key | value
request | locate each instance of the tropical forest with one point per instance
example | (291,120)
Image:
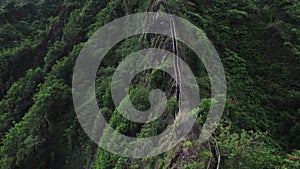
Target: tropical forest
(258,46)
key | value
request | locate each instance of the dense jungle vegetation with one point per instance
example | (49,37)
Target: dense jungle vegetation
(259,45)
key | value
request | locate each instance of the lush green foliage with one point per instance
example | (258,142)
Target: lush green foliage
(259,45)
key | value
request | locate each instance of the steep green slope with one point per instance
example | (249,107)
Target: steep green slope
(258,42)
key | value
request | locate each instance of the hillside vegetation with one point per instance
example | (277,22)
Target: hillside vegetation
(259,45)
